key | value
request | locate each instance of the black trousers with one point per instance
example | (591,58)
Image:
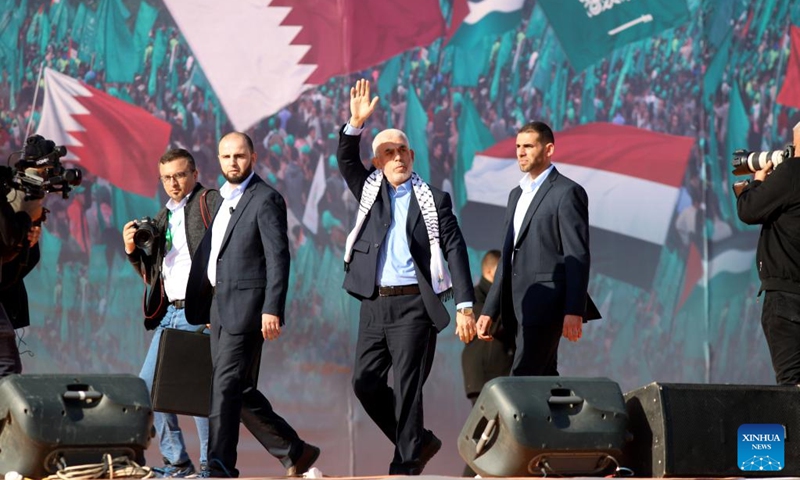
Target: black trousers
(395,332)
(10,361)
(780,319)
(235,397)
(537,350)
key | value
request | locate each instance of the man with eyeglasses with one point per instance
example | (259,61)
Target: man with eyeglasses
(181,225)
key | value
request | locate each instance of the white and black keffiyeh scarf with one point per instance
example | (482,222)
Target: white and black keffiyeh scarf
(440,277)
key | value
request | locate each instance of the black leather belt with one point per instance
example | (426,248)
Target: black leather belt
(178,304)
(401,290)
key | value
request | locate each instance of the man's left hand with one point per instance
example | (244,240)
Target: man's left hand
(465,327)
(34,234)
(573,327)
(270,326)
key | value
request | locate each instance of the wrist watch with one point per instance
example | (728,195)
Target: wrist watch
(465,310)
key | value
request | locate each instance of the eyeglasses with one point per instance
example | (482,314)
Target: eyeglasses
(180,176)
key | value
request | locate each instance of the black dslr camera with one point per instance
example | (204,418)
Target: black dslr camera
(745,163)
(145,236)
(38,171)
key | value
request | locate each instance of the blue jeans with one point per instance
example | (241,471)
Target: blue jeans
(170,437)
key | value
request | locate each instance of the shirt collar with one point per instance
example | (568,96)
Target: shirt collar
(528,184)
(401,189)
(174,206)
(230,191)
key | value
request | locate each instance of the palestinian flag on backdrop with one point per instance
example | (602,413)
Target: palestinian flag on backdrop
(633,179)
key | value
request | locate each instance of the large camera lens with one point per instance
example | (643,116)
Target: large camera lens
(145,236)
(745,162)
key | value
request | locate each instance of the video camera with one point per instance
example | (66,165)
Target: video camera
(745,163)
(38,171)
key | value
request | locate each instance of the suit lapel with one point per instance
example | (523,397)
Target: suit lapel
(414,214)
(537,200)
(247,195)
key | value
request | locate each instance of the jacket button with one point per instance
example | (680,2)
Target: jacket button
(377,245)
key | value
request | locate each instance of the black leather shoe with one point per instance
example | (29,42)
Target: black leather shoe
(307,457)
(430,448)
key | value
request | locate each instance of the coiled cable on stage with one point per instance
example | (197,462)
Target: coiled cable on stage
(118,467)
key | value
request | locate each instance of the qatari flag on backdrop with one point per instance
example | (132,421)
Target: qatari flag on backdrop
(105,135)
(264,57)
(632,177)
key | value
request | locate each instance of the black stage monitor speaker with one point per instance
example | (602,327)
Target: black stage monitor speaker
(692,430)
(532,426)
(49,421)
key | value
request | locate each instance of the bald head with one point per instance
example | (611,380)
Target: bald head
(241,136)
(393,156)
(389,133)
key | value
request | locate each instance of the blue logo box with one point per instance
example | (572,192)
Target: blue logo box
(761,447)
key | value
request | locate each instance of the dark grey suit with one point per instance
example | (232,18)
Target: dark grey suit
(544,273)
(252,278)
(399,331)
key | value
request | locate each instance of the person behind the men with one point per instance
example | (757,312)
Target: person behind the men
(180,224)
(238,284)
(19,253)
(772,200)
(482,361)
(395,262)
(540,287)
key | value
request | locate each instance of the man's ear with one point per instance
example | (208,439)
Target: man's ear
(376,162)
(549,149)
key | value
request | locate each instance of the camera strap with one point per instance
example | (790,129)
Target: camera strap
(204,210)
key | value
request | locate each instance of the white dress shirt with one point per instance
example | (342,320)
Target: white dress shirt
(178,260)
(231,194)
(529,188)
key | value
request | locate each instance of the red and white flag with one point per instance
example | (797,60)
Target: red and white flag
(632,177)
(790,90)
(103,134)
(260,56)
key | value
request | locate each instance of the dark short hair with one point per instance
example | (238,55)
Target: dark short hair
(176,153)
(246,137)
(544,131)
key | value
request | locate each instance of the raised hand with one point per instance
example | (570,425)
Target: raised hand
(361,107)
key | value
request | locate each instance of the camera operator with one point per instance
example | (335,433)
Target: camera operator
(161,250)
(19,253)
(772,200)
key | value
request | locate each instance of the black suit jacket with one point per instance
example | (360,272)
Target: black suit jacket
(252,267)
(544,274)
(13,295)
(361,273)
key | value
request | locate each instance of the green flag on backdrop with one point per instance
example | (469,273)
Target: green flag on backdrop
(605,26)
(145,19)
(416,130)
(114,42)
(474,137)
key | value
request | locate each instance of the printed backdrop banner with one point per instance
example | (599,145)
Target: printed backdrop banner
(608,24)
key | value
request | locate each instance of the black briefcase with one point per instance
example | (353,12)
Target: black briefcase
(182,380)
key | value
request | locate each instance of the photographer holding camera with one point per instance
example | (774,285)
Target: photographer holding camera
(36,172)
(19,253)
(772,200)
(161,250)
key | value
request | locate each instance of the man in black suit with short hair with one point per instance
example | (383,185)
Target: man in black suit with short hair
(540,286)
(238,284)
